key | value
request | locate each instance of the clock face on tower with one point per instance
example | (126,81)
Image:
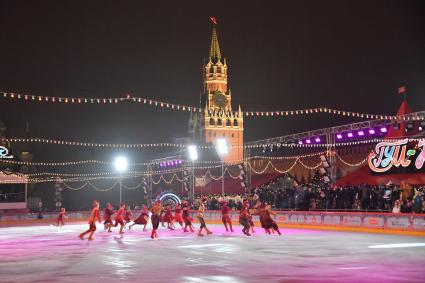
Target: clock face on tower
(219,99)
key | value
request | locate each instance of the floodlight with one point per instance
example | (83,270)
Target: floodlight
(193,152)
(121,164)
(222,146)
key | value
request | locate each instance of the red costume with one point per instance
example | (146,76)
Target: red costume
(225,216)
(119,218)
(168,216)
(127,216)
(60,220)
(178,215)
(142,219)
(92,221)
(187,219)
(107,215)
(244,218)
(268,221)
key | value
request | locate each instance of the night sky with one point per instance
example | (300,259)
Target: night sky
(282,55)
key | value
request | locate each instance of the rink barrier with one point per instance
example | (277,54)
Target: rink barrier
(308,219)
(365,220)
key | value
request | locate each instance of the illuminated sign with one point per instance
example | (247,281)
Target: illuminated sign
(4,153)
(387,155)
(169,196)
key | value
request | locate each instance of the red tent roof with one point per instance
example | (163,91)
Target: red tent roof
(401,130)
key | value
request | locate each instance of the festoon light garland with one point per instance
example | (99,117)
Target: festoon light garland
(172,106)
(53,177)
(100,100)
(175,145)
(102,162)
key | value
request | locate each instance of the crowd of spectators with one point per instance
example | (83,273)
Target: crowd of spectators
(304,197)
(12,197)
(351,198)
(214,201)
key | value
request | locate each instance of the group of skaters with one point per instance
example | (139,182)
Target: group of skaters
(160,213)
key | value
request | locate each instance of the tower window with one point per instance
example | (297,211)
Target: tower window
(228,124)
(219,122)
(233,135)
(211,121)
(235,123)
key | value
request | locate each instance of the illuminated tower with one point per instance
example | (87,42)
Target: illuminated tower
(219,121)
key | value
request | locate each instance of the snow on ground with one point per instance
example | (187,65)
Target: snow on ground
(42,254)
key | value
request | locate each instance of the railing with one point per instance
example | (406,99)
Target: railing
(309,219)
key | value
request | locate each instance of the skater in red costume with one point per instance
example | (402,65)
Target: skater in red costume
(155,218)
(107,216)
(178,215)
(225,216)
(142,219)
(119,218)
(244,218)
(94,215)
(269,223)
(186,217)
(127,215)
(251,222)
(168,217)
(201,219)
(161,216)
(60,221)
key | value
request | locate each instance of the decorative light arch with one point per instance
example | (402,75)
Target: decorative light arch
(171,196)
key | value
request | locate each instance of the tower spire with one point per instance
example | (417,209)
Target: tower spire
(215,54)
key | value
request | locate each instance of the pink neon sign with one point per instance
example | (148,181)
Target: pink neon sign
(390,154)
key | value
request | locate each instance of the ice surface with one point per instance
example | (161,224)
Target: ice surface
(41,254)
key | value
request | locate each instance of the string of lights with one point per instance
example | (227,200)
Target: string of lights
(288,157)
(165,180)
(103,190)
(54,177)
(156,145)
(310,167)
(75,188)
(89,183)
(329,111)
(101,162)
(134,187)
(178,107)
(100,100)
(131,173)
(234,177)
(67,163)
(72,179)
(270,164)
(55,174)
(361,162)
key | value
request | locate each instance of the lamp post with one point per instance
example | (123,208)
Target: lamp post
(222,150)
(193,155)
(121,165)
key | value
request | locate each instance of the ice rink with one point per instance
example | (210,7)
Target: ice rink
(41,254)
